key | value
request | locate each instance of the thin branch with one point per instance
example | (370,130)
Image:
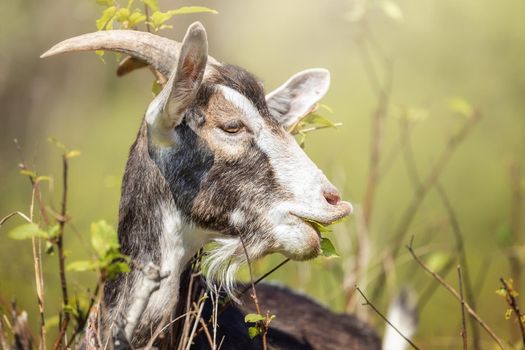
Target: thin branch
(368,303)
(426,185)
(460,248)
(511,300)
(455,294)
(254,296)
(247,288)
(515,220)
(410,163)
(61,255)
(463,323)
(197,317)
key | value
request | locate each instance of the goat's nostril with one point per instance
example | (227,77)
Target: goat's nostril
(332,197)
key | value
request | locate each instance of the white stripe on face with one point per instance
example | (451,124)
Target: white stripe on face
(294,171)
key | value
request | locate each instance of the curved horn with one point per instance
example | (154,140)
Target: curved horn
(159,52)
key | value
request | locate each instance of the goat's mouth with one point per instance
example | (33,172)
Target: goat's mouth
(316,219)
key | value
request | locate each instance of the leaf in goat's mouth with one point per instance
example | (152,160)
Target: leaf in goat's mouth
(323,228)
(327,247)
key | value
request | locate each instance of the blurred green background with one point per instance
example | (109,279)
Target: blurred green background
(438,49)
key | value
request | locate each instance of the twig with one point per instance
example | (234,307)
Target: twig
(463,323)
(426,185)
(247,288)
(410,163)
(61,256)
(368,303)
(207,333)
(511,300)
(383,91)
(194,328)
(460,248)
(254,296)
(515,220)
(455,294)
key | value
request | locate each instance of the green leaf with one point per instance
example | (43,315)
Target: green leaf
(317,225)
(317,119)
(136,18)
(50,248)
(328,249)
(71,310)
(158,18)
(57,143)
(53,231)
(254,318)
(29,173)
(327,107)
(253,332)
(72,154)
(152,4)
(122,15)
(106,20)
(82,265)
(27,231)
(103,238)
(437,261)
(156,88)
(117,268)
(461,106)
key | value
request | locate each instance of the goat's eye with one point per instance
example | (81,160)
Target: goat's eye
(232,127)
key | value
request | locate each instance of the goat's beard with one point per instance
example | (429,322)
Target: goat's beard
(222,261)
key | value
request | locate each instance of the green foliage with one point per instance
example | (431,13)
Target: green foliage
(158,19)
(437,260)
(253,318)
(117,16)
(109,261)
(312,121)
(27,231)
(261,324)
(254,331)
(328,249)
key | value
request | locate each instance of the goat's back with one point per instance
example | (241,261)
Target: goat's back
(300,323)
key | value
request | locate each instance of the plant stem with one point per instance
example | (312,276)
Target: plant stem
(455,294)
(368,303)
(61,256)
(511,300)
(463,323)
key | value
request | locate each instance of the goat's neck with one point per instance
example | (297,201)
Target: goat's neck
(151,229)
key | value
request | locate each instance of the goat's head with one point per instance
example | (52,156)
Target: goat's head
(224,147)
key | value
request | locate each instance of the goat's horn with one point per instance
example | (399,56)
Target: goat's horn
(159,52)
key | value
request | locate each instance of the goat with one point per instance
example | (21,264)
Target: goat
(214,161)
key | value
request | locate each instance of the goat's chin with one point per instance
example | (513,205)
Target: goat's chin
(300,242)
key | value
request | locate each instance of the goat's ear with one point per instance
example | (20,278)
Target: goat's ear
(166,110)
(298,96)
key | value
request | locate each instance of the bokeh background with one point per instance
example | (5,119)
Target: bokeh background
(436,50)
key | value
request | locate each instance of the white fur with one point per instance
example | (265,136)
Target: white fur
(237,218)
(179,243)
